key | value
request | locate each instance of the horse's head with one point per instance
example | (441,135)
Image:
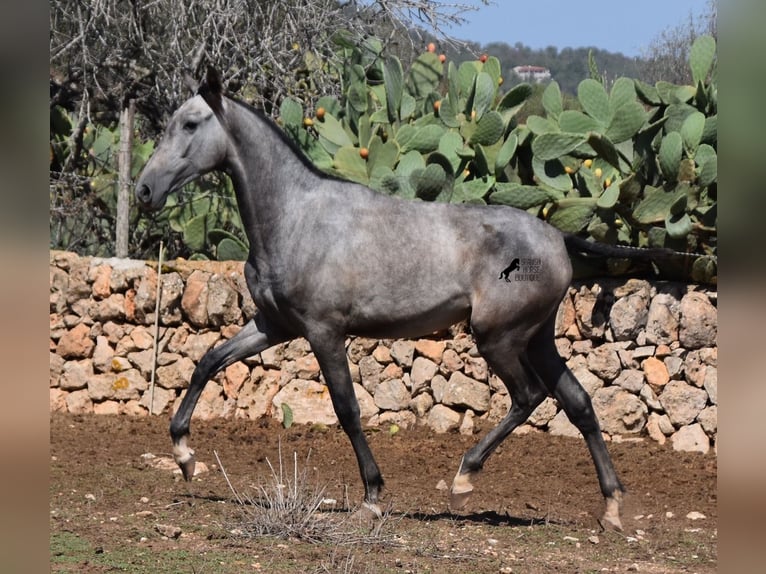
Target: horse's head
(194,143)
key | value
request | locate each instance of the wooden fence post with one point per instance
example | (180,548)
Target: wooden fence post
(125,161)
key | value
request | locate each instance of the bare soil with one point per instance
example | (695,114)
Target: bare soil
(535,508)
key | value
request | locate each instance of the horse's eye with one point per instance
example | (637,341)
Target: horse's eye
(190,126)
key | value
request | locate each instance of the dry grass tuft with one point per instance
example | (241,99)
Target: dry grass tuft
(292,506)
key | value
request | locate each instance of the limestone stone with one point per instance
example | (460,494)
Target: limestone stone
(451,362)
(438,387)
(467,424)
(631,380)
(161,400)
(128,384)
(171,292)
(565,316)
(430,349)
(106,408)
(629,314)
(211,403)
(101,276)
(394,371)
(682,402)
(560,425)
(382,354)
(76,343)
(79,403)
(102,355)
(222,301)
(402,419)
(307,367)
(649,397)
(564,348)
(421,404)
(235,376)
(197,344)
(110,309)
(442,419)
(75,375)
(476,368)
(273,356)
(653,428)
(423,370)
(56,368)
(391,395)
(143,361)
(662,319)
(257,393)
(463,391)
(176,375)
(57,402)
(499,405)
(589,317)
(371,371)
(194,299)
(708,420)
(143,337)
(544,412)
(656,373)
(691,439)
(146,296)
(403,352)
(619,411)
(360,347)
(367,406)
(309,402)
(604,362)
(699,320)
(711,384)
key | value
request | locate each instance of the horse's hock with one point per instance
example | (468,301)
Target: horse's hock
(645,352)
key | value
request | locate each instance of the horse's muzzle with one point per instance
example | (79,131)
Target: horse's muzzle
(144,197)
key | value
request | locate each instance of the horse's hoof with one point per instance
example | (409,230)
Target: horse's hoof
(461,491)
(611,523)
(187,468)
(373,508)
(611,518)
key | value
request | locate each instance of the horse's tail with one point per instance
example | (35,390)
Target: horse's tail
(580,246)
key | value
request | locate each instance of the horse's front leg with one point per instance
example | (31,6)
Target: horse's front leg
(256,336)
(331,355)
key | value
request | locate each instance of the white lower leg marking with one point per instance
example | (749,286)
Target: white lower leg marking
(181,452)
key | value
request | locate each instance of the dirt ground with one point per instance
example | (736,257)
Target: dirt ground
(534,509)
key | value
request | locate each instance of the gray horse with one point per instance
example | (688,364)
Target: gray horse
(329,258)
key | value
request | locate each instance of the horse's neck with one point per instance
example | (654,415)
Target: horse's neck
(269,177)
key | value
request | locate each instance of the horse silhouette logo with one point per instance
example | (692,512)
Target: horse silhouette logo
(508,270)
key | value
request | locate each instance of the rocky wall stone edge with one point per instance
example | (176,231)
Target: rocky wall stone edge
(646,352)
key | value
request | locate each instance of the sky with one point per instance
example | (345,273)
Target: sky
(613,25)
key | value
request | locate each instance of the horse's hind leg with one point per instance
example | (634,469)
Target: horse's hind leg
(527,392)
(254,337)
(575,401)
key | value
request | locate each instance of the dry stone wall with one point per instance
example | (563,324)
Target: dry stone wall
(645,352)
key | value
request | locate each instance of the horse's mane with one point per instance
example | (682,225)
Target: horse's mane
(286,139)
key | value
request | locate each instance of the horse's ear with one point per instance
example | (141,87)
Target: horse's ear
(211,89)
(190,83)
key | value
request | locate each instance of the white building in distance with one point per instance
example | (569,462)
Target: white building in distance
(532,73)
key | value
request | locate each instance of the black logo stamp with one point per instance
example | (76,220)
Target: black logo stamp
(523,269)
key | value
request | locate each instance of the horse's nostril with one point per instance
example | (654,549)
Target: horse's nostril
(143,193)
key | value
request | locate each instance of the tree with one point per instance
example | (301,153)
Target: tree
(667,56)
(104,53)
